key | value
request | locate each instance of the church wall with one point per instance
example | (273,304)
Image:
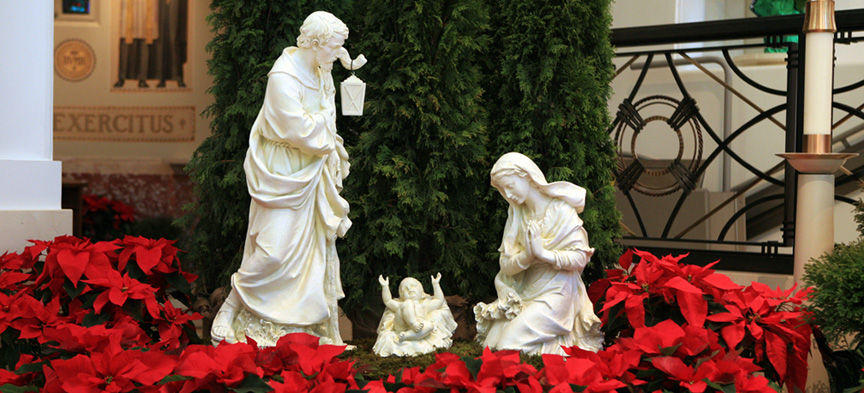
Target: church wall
(130,143)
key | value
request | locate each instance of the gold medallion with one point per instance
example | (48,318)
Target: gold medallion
(74,60)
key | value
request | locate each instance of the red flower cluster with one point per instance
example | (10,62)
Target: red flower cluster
(104,218)
(675,314)
(97,317)
(70,306)
(491,372)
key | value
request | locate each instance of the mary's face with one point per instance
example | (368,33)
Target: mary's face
(514,188)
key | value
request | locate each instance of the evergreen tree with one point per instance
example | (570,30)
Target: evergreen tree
(547,98)
(249,37)
(420,168)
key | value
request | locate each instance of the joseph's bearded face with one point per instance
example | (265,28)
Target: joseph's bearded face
(328,51)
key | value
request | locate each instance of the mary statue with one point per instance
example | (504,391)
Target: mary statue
(542,303)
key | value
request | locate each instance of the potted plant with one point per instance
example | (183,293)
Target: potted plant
(837,307)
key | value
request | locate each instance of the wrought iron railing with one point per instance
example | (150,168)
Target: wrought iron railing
(769,194)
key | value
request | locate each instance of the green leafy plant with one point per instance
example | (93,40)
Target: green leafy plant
(420,167)
(837,305)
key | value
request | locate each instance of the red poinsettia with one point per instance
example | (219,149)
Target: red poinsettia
(76,258)
(74,338)
(119,288)
(119,211)
(758,312)
(656,277)
(764,323)
(33,316)
(616,362)
(215,367)
(18,379)
(560,373)
(150,254)
(170,325)
(114,370)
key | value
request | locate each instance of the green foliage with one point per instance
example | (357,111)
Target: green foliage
(859,217)
(377,367)
(249,37)
(838,300)
(549,101)
(420,165)
(837,304)
(374,367)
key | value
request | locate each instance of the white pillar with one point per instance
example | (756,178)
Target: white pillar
(30,180)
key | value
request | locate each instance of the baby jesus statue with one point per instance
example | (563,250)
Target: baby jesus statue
(415,323)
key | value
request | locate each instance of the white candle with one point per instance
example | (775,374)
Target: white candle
(818,82)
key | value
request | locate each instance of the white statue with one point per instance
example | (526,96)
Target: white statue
(415,323)
(542,303)
(289,277)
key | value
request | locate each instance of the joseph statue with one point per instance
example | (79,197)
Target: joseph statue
(289,280)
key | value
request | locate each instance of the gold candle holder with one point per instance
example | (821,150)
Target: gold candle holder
(819,16)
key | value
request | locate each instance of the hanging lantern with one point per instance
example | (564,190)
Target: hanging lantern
(353,94)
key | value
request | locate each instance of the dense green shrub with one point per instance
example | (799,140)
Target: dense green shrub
(837,304)
(420,166)
(838,301)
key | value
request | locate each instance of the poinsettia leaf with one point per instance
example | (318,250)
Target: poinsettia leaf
(73,264)
(393,387)
(473,365)
(174,378)
(72,290)
(133,308)
(98,302)
(721,281)
(252,384)
(10,388)
(148,258)
(714,385)
(135,272)
(152,306)
(577,388)
(730,388)
(94,319)
(669,351)
(673,366)
(561,388)
(29,368)
(776,349)
(646,256)
(733,334)
(179,282)
(683,286)
(635,310)
(117,296)
(626,259)
(694,308)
